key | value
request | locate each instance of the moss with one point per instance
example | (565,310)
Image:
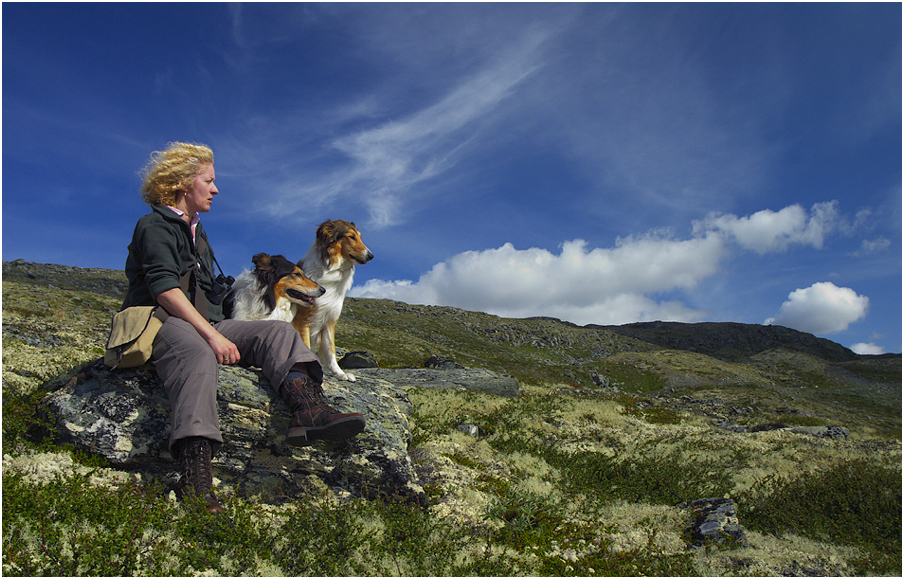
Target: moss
(465,461)
(642,408)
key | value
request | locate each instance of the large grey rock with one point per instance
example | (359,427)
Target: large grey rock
(124,415)
(459,379)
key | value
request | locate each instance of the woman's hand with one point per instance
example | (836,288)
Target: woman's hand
(225,351)
(175,302)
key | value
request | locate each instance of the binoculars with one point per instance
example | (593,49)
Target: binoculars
(220,289)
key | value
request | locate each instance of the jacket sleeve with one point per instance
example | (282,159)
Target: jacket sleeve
(160,261)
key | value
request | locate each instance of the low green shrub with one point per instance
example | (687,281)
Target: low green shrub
(413,543)
(667,480)
(66,527)
(856,503)
(24,418)
(634,563)
(653,414)
(320,540)
(61,529)
(527,518)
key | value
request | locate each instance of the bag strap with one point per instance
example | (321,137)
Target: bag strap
(161,314)
(202,245)
(189,280)
(200,299)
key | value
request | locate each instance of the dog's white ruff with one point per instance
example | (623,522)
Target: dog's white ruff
(336,280)
(250,304)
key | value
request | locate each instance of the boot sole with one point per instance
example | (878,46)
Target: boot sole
(336,431)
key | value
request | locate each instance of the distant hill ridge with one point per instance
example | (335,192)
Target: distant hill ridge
(724,340)
(731,340)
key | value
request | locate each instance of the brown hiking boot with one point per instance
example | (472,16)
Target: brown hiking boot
(197,472)
(312,418)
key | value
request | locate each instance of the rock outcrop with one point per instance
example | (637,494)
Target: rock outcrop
(124,416)
(715,520)
(455,378)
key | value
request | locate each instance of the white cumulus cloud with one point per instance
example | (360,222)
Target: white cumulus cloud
(822,308)
(867,348)
(770,231)
(582,285)
(627,282)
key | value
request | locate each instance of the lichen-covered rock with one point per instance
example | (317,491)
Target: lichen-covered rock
(442,363)
(823,431)
(124,415)
(455,378)
(715,520)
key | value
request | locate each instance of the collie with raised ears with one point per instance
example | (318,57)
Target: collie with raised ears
(275,290)
(330,262)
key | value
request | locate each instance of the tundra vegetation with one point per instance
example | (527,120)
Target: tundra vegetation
(583,473)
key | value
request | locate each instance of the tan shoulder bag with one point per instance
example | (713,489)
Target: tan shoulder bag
(132,334)
(132,331)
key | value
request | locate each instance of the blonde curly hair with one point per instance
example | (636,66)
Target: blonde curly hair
(173,170)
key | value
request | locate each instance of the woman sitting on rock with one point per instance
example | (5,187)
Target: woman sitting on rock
(170,264)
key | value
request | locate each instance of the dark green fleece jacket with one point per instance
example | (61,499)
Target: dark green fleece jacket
(162,252)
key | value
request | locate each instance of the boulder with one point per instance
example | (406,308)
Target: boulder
(124,416)
(358,359)
(456,378)
(442,363)
(715,520)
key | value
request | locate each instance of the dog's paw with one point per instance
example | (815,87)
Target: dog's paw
(341,374)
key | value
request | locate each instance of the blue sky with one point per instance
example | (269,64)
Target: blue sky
(599,163)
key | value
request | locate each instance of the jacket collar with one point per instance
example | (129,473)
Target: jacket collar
(171,215)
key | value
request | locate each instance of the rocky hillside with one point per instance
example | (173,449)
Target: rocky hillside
(595,467)
(783,372)
(732,341)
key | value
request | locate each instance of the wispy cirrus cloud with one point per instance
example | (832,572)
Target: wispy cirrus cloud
(383,165)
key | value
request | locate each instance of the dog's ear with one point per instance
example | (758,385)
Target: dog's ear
(266,277)
(261,261)
(282,266)
(328,233)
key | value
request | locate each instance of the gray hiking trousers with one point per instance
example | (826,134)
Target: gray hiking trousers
(189,370)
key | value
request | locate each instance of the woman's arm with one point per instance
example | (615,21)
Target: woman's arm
(176,304)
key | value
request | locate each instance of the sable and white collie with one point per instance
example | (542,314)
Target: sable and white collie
(275,290)
(331,263)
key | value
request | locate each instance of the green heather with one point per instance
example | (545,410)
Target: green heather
(581,474)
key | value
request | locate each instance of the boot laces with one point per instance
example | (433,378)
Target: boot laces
(196,463)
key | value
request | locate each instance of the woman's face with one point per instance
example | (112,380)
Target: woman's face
(199,197)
